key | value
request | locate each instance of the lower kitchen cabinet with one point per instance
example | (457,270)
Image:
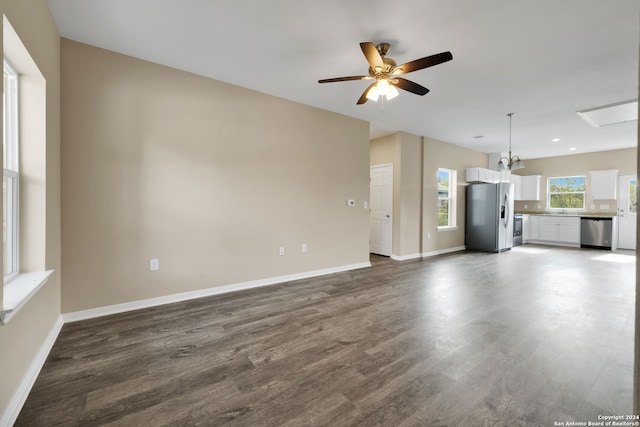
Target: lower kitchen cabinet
(559,230)
(533,230)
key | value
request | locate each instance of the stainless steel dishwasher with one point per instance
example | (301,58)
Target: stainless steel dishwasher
(596,232)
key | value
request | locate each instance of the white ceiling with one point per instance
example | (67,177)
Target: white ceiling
(543,60)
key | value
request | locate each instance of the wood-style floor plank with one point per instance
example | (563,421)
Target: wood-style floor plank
(527,337)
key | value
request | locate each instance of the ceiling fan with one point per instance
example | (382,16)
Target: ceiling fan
(384,70)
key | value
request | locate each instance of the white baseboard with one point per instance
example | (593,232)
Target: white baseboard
(405,257)
(28,380)
(427,254)
(443,251)
(184,296)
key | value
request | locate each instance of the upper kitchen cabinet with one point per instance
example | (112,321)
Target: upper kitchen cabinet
(531,187)
(482,175)
(516,180)
(526,187)
(603,184)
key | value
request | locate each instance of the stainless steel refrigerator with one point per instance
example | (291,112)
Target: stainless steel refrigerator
(489,219)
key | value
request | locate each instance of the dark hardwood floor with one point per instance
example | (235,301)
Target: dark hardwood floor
(532,336)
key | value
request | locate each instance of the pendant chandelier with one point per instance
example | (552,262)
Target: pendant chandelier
(511,162)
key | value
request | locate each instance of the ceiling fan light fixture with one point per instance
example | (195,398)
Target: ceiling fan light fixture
(373,93)
(383,86)
(392,92)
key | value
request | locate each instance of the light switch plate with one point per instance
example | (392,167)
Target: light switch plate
(154,264)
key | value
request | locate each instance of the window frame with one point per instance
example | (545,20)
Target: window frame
(633,195)
(451,199)
(551,193)
(11,171)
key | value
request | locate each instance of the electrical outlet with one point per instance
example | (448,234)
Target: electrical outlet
(429,236)
(281,250)
(305,249)
(366,205)
(154,264)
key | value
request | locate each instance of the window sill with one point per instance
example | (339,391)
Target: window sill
(449,228)
(19,290)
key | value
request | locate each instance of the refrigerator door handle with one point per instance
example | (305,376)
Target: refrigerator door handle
(506,206)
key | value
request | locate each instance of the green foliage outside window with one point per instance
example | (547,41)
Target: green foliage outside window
(567,192)
(443,213)
(443,198)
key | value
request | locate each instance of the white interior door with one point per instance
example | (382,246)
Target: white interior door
(380,218)
(627,212)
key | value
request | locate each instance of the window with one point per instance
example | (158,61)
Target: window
(24,146)
(633,197)
(10,182)
(447,198)
(566,192)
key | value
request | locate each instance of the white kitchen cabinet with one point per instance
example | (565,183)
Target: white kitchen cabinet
(534,228)
(525,228)
(516,180)
(530,187)
(526,187)
(603,184)
(569,232)
(557,230)
(482,175)
(548,231)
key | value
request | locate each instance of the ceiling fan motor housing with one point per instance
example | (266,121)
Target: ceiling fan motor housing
(389,63)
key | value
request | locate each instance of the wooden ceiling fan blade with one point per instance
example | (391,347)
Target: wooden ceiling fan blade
(363,97)
(419,64)
(371,53)
(410,86)
(344,79)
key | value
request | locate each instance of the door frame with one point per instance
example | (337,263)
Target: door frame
(620,231)
(390,167)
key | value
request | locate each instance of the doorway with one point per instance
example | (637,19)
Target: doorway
(627,212)
(380,216)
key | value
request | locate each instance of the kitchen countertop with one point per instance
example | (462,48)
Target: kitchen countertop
(579,215)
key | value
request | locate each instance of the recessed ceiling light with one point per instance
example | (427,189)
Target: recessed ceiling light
(572,149)
(555,140)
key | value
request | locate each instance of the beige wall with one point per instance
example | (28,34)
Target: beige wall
(578,164)
(438,154)
(209,178)
(416,161)
(23,337)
